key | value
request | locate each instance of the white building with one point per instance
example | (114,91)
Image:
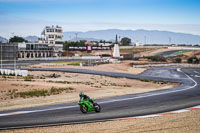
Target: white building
(139,43)
(53,36)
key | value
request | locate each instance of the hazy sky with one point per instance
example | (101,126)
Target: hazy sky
(29,17)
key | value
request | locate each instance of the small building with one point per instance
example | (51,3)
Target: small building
(8,52)
(35,50)
(52,35)
(138,43)
(105,44)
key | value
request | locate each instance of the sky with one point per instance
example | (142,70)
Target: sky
(29,17)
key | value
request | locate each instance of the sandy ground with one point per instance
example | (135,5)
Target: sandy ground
(188,122)
(95,86)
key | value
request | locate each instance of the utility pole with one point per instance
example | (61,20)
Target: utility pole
(119,40)
(70,38)
(1,56)
(12,33)
(170,40)
(14,46)
(76,37)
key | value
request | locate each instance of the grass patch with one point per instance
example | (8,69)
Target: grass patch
(77,63)
(40,92)
(32,93)
(73,82)
(114,84)
(144,80)
(73,63)
(28,78)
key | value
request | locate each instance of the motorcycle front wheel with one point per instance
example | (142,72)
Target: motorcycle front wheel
(97,107)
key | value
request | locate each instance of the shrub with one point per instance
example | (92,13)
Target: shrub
(32,93)
(144,80)
(178,60)
(157,58)
(28,78)
(193,60)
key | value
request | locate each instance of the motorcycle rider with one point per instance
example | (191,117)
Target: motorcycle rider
(85,97)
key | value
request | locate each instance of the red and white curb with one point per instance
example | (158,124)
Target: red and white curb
(161,114)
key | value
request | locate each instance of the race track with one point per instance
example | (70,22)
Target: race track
(187,94)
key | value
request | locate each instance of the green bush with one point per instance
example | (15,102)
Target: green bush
(32,93)
(178,60)
(28,78)
(193,60)
(40,92)
(157,58)
(144,80)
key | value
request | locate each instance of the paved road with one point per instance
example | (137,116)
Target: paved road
(33,62)
(183,96)
(171,53)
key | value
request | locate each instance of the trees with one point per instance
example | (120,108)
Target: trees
(17,39)
(193,60)
(178,60)
(126,41)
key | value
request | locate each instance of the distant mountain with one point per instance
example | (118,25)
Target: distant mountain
(3,40)
(148,36)
(31,38)
(88,39)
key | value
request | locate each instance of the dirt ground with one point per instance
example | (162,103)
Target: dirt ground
(93,85)
(188,122)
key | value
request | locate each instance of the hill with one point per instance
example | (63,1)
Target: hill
(148,36)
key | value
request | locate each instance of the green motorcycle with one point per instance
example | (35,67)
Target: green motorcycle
(87,106)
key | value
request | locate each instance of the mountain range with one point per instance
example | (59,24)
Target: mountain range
(31,38)
(3,40)
(148,36)
(143,36)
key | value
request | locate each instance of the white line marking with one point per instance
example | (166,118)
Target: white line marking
(180,111)
(196,72)
(197,107)
(157,93)
(25,112)
(125,99)
(146,116)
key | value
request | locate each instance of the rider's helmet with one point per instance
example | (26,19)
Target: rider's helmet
(81,94)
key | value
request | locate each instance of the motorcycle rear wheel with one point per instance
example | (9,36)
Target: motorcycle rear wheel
(84,109)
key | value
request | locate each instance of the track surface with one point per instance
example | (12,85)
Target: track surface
(183,96)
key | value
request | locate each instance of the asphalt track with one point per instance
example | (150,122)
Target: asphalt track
(186,95)
(33,62)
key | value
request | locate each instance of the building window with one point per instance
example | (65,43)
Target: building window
(51,36)
(51,30)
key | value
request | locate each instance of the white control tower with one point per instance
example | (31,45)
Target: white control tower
(116,53)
